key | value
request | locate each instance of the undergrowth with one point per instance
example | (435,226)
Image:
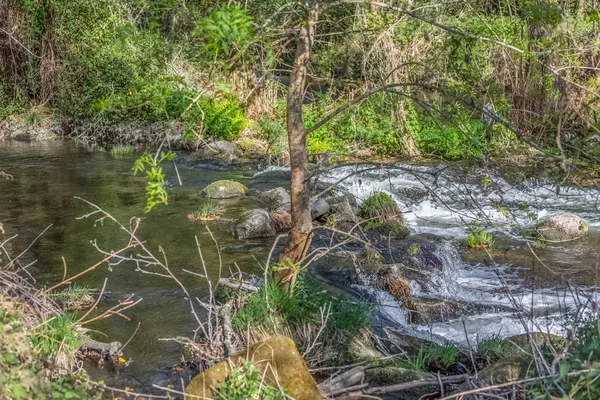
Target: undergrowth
(246,382)
(293,314)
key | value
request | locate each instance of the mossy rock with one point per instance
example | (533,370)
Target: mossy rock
(224,189)
(277,358)
(506,370)
(540,338)
(383,215)
(389,375)
(561,227)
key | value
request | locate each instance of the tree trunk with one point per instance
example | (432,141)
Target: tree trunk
(300,234)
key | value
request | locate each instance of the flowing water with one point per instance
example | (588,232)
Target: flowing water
(439,199)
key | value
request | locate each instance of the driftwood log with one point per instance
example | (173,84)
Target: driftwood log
(238,284)
(112,349)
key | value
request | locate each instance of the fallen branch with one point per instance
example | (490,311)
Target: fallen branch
(417,384)
(113,349)
(237,284)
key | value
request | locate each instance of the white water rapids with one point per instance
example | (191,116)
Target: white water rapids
(443,201)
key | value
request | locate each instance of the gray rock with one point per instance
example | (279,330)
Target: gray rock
(344,204)
(318,208)
(224,189)
(562,227)
(254,224)
(276,198)
(219,151)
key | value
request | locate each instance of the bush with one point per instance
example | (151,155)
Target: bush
(301,311)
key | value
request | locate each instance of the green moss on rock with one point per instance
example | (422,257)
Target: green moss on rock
(224,189)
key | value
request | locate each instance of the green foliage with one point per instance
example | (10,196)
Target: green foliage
(223,117)
(378,205)
(246,382)
(121,150)
(494,348)
(289,313)
(443,356)
(452,139)
(155,178)
(225,30)
(479,239)
(371,123)
(417,362)
(56,332)
(33,116)
(25,370)
(207,210)
(274,133)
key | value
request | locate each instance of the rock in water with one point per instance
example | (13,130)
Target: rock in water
(220,151)
(224,190)
(277,358)
(277,197)
(254,224)
(562,227)
(318,208)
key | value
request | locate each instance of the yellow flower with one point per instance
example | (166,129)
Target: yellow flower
(122,360)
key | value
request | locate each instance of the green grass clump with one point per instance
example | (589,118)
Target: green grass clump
(302,309)
(73,298)
(246,382)
(380,206)
(56,332)
(121,150)
(479,239)
(494,348)
(207,210)
(33,117)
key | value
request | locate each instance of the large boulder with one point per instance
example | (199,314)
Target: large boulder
(254,224)
(278,360)
(276,198)
(219,151)
(224,190)
(345,204)
(318,208)
(562,227)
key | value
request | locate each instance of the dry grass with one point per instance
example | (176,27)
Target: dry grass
(281,220)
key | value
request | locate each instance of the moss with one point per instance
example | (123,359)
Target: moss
(224,189)
(391,375)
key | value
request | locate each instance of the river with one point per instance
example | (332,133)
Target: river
(435,198)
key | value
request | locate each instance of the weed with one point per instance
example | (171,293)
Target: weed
(73,298)
(246,382)
(479,239)
(294,314)
(417,362)
(55,333)
(494,348)
(33,117)
(121,150)
(207,211)
(442,355)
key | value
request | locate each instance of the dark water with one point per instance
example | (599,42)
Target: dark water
(46,179)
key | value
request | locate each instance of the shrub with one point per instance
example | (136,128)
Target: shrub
(223,117)
(246,382)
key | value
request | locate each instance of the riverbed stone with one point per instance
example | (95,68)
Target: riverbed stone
(561,227)
(276,198)
(254,224)
(220,151)
(318,208)
(540,338)
(345,204)
(509,369)
(224,189)
(277,358)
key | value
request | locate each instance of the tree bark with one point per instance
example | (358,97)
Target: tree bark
(300,234)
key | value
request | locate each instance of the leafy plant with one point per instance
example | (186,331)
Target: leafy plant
(155,178)
(225,30)
(246,382)
(479,239)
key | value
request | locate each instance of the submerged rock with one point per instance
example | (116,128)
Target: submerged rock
(562,227)
(254,224)
(277,197)
(278,360)
(344,205)
(224,189)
